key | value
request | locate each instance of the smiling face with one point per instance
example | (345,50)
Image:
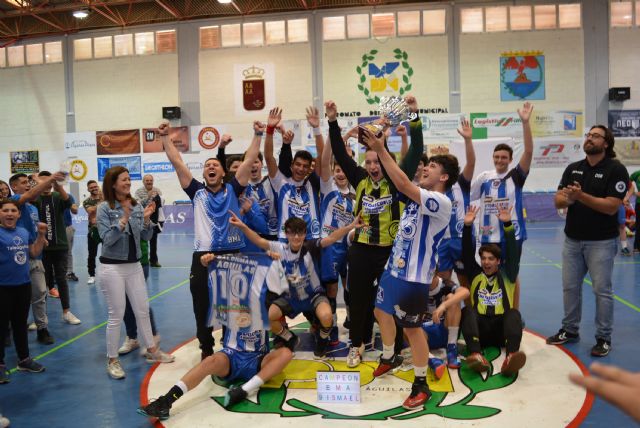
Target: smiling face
(9,215)
(93,189)
(295,239)
(432,175)
(340,177)
(501,160)
(300,168)
(148,182)
(213,173)
(256,170)
(122,186)
(4,190)
(21,185)
(372,165)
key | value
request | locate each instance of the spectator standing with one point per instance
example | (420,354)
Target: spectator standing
(144,195)
(93,238)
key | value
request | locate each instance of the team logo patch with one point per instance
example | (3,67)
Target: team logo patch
(621,186)
(17,240)
(432,205)
(20,257)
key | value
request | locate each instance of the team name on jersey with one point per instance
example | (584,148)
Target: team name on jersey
(488,298)
(298,208)
(371,205)
(239,267)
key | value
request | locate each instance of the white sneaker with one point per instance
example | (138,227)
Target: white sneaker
(354,358)
(32,327)
(115,369)
(159,357)
(4,422)
(128,345)
(91,280)
(69,318)
(156,342)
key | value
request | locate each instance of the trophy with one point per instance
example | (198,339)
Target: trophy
(393,111)
(65,168)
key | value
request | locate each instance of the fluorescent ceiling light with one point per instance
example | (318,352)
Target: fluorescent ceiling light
(81,14)
(224,1)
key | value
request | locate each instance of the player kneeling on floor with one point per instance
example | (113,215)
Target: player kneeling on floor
(238,284)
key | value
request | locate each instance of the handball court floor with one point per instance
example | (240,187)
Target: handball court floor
(75,390)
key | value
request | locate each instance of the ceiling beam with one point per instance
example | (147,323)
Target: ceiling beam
(237,8)
(303,3)
(172,10)
(46,21)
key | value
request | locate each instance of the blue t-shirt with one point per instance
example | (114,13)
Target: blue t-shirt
(14,256)
(29,217)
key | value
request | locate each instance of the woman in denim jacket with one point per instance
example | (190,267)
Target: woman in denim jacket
(121,224)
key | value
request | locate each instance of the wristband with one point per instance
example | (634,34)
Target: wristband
(270,130)
(259,133)
(317,131)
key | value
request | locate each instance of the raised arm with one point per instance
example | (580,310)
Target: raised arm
(43,184)
(285,158)
(399,179)
(250,234)
(275,116)
(527,155)
(36,248)
(470,163)
(401,130)
(353,173)
(410,161)
(313,118)
(471,267)
(511,258)
(325,161)
(183,172)
(341,232)
(244,170)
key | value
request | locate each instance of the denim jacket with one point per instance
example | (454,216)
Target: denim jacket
(115,242)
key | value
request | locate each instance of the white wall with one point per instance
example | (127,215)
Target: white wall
(624,64)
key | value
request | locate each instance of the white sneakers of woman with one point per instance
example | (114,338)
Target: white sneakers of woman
(69,318)
(354,357)
(159,357)
(128,346)
(115,369)
(4,422)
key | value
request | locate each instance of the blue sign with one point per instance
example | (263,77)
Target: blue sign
(132,163)
(157,167)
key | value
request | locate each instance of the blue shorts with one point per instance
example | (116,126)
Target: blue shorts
(622,215)
(450,255)
(333,263)
(406,301)
(242,365)
(437,334)
(292,307)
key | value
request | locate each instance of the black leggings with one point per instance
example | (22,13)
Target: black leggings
(55,267)
(14,307)
(480,331)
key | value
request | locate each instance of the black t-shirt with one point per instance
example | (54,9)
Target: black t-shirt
(608,178)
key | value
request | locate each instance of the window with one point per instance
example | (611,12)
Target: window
(496,18)
(53,52)
(16,56)
(638,13)
(103,47)
(333,28)
(298,30)
(35,54)
(409,23)
(252,34)
(166,41)
(545,17)
(471,20)
(231,35)
(383,24)
(210,37)
(82,49)
(358,26)
(3,57)
(621,14)
(520,17)
(123,44)
(434,21)
(275,33)
(570,15)
(145,43)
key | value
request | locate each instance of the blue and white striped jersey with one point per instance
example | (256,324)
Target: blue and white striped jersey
(238,285)
(297,199)
(211,216)
(336,207)
(459,195)
(414,253)
(262,192)
(301,268)
(499,190)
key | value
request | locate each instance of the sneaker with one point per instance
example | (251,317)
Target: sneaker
(477,362)
(156,409)
(156,342)
(4,422)
(320,352)
(513,362)
(30,365)
(155,265)
(32,327)
(438,367)
(387,365)
(562,337)
(354,357)
(234,396)
(159,357)
(420,394)
(334,338)
(44,337)
(69,318)
(91,280)
(115,369)
(72,277)
(4,374)
(54,293)
(453,361)
(128,345)
(601,348)
(625,252)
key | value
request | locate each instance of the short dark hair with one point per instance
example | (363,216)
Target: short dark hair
(609,139)
(16,177)
(450,166)
(304,155)
(231,159)
(260,157)
(424,158)
(295,225)
(493,249)
(90,182)
(6,201)
(44,174)
(506,147)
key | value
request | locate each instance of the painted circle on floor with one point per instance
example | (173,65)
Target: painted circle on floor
(541,394)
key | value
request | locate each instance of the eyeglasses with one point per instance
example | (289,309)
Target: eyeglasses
(591,135)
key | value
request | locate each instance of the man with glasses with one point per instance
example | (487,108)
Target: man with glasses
(592,190)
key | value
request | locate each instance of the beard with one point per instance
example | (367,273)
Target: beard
(593,149)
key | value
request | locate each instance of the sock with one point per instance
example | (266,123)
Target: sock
(253,384)
(420,372)
(453,334)
(387,351)
(324,332)
(284,333)
(176,391)
(624,244)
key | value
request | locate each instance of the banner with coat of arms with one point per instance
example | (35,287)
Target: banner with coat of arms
(384,74)
(253,87)
(522,76)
